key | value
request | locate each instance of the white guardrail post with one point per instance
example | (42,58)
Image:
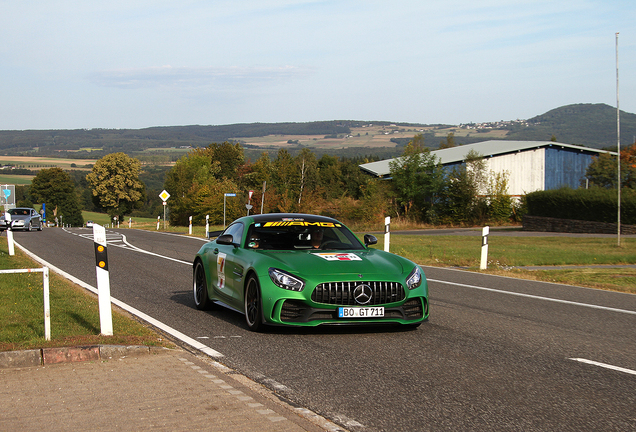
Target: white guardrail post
(484,248)
(47,303)
(103,280)
(7,218)
(387,233)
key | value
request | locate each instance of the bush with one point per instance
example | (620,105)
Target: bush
(597,205)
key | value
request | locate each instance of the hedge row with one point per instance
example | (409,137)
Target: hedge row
(598,205)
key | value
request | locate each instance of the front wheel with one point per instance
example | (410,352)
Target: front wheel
(200,286)
(253,305)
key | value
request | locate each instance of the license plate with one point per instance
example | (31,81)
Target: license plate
(361,312)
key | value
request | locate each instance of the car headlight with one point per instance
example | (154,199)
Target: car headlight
(415,278)
(285,280)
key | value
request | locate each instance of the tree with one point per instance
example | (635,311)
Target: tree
(417,178)
(54,187)
(286,181)
(230,157)
(116,185)
(603,171)
(308,173)
(450,141)
(197,191)
(628,164)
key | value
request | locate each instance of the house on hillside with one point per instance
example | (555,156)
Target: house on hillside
(531,165)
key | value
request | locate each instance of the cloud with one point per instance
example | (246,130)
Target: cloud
(197,78)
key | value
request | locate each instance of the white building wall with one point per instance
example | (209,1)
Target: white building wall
(526,170)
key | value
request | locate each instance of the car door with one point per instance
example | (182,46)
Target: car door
(228,268)
(35,219)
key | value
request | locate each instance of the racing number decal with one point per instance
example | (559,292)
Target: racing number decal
(220,270)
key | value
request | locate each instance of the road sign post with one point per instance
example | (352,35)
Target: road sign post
(164,195)
(249,199)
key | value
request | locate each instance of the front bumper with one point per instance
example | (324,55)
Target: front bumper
(293,312)
(320,305)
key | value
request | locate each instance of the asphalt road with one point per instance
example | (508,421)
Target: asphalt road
(496,354)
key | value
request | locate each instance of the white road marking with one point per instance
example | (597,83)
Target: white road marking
(605,365)
(537,297)
(115,239)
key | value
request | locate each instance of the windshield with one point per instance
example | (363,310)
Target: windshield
(19,212)
(301,234)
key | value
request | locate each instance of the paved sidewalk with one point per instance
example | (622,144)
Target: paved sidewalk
(171,390)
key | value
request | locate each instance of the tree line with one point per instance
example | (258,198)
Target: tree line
(420,188)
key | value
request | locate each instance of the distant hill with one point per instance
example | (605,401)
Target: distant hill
(591,125)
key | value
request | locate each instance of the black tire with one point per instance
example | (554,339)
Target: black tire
(200,287)
(30,227)
(253,305)
(40,226)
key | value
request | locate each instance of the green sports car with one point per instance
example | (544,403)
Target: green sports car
(306,270)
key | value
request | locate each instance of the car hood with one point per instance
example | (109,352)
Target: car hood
(371,263)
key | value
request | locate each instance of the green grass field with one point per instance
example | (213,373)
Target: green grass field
(74,312)
(20,180)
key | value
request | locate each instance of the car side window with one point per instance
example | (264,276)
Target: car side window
(236,231)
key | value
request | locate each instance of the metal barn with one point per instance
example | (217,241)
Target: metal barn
(530,165)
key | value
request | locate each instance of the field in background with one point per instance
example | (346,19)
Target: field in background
(368,136)
(19,180)
(37,162)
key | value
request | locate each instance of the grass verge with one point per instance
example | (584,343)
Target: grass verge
(508,255)
(74,312)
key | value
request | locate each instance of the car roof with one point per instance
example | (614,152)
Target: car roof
(280,216)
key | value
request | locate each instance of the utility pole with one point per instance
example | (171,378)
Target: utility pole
(618,146)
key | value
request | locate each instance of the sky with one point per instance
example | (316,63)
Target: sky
(68,64)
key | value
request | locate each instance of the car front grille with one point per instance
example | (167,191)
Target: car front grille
(342,293)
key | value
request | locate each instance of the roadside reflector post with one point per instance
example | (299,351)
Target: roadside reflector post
(47,304)
(190,228)
(387,233)
(7,218)
(207,226)
(103,280)
(158,221)
(484,248)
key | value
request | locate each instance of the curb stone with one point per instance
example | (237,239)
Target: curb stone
(45,356)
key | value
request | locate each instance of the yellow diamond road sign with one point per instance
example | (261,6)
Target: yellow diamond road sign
(164,195)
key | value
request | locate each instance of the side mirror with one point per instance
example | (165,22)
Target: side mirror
(226,239)
(370,240)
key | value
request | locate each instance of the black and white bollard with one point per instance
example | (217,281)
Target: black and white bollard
(10,244)
(103,280)
(387,233)
(484,248)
